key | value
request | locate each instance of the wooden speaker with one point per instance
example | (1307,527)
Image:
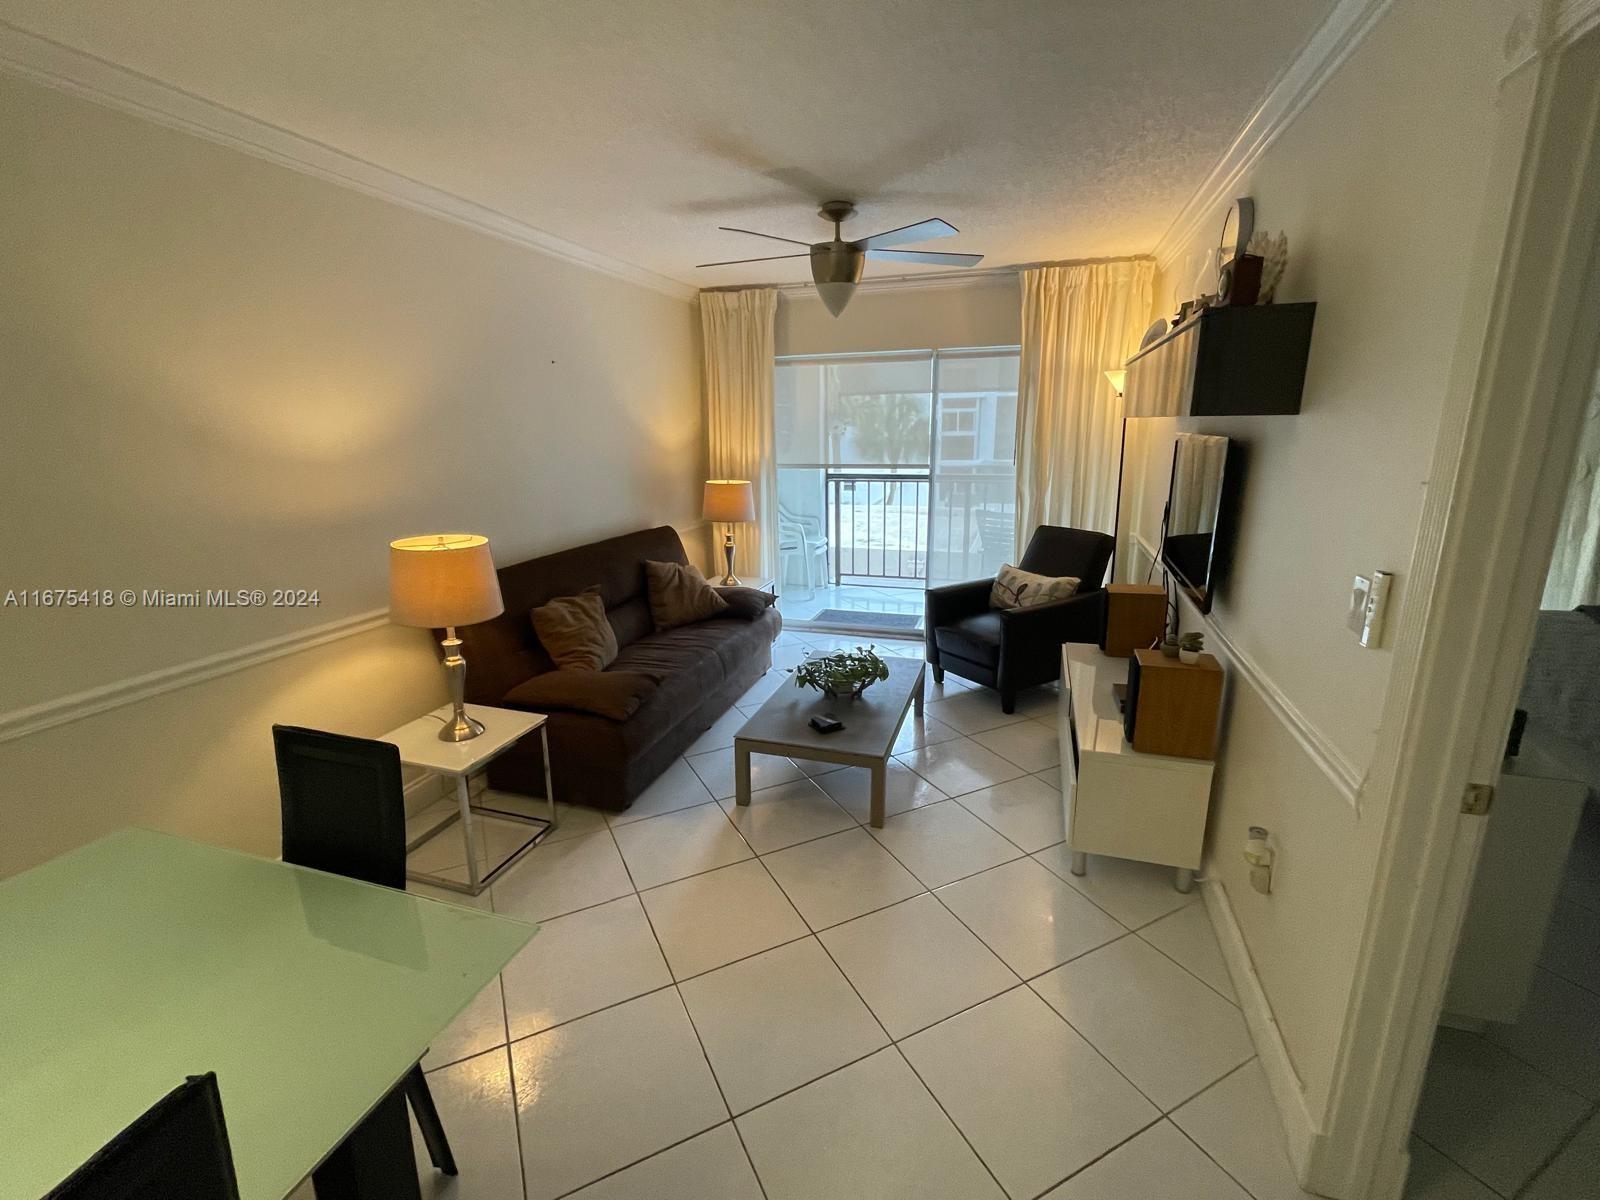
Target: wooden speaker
(1172,705)
(1136,617)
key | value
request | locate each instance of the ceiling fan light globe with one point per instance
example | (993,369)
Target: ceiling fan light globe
(836,295)
(836,269)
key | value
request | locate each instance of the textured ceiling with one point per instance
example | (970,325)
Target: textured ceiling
(1040,128)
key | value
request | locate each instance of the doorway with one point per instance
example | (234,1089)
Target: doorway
(1510,1104)
(1522,381)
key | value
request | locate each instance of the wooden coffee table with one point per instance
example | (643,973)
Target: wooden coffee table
(871,724)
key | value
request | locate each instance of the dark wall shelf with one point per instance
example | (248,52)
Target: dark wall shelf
(1226,362)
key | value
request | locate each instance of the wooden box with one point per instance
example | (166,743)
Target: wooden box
(1177,705)
(1136,617)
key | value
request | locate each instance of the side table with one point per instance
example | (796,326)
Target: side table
(419,745)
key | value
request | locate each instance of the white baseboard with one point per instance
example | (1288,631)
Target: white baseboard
(1299,1126)
(422,791)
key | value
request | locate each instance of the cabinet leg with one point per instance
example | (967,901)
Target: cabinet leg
(1184,880)
(1080,863)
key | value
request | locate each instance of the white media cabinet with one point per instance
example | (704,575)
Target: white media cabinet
(1149,807)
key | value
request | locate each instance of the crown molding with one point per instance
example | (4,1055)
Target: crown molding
(54,65)
(931,281)
(23,722)
(1334,41)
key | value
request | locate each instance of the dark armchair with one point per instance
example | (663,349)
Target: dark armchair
(1013,649)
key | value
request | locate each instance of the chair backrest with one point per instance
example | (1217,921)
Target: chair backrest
(1056,550)
(177,1150)
(343,804)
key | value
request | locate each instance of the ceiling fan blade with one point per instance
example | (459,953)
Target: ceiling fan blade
(922,231)
(732,262)
(769,236)
(937,257)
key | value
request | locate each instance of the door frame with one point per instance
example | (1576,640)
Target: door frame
(1523,368)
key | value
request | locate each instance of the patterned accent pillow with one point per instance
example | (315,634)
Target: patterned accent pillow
(1016,588)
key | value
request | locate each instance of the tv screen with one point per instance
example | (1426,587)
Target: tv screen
(1194,536)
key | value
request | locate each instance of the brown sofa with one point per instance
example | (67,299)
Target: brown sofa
(697,672)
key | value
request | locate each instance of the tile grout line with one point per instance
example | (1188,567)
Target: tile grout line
(813,933)
(1196,1142)
(1560,1148)
(684,1004)
(961,1133)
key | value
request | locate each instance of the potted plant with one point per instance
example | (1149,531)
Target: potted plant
(1189,647)
(1169,646)
(844,675)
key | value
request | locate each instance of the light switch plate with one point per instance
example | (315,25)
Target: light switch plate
(1356,619)
(1377,609)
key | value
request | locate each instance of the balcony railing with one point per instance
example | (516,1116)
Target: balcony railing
(913,527)
(880,525)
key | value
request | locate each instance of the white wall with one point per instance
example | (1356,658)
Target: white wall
(222,373)
(986,312)
(1378,184)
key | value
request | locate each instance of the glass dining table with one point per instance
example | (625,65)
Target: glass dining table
(141,958)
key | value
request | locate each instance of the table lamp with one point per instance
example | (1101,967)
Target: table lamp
(438,582)
(729,501)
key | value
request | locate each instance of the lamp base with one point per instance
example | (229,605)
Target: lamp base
(730,579)
(461,728)
(458,727)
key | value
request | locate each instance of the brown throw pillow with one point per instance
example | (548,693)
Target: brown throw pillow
(746,602)
(614,694)
(680,595)
(574,631)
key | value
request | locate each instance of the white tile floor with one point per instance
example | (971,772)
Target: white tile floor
(785,1004)
(1515,1111)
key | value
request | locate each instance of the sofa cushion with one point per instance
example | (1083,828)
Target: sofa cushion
(680,595)
(976,637)
(613,694)
(746,602)
(574,631)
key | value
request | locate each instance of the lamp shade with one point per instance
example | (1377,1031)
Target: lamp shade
(442,579)
(1117,378)
(729,500)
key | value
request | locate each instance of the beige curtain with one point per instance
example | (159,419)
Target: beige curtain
(737,330)
(1078,321)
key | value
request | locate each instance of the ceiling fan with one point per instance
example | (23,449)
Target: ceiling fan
(836,265)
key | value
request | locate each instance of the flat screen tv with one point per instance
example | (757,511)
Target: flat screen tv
(1196,533)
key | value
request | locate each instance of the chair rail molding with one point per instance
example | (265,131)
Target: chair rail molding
(1345,775)
(52,64)
(23,722)
(1344,28)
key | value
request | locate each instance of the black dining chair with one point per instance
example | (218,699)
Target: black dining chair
(177,1150)
(344,812)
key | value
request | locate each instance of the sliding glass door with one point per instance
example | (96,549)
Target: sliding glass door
(972,521)
(894,470)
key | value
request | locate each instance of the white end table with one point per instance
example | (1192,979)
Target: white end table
(419,745)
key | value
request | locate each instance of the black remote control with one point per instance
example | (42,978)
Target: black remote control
(826,723)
